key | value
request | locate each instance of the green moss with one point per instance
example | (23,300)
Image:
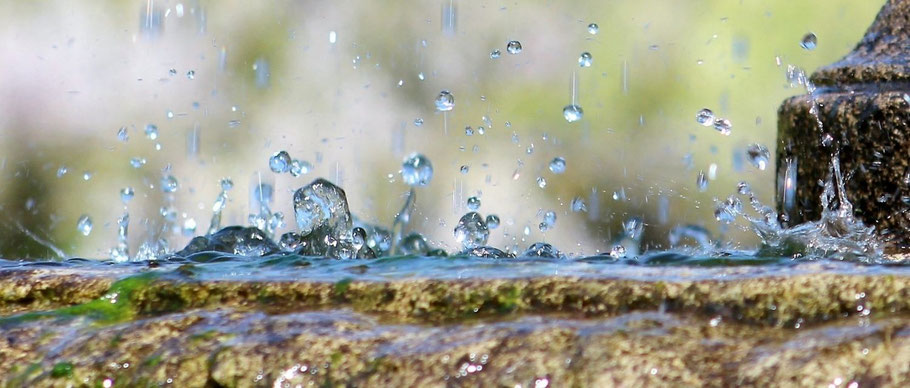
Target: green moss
(116,306)
(342,286)
(62,369)
(152,361)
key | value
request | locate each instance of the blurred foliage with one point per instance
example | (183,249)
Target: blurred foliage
(76,72)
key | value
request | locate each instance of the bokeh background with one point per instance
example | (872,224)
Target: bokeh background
(268,77)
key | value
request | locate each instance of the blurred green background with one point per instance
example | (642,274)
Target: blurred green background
(267,78)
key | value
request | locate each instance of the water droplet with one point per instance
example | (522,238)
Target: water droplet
(62,171)
(572,113)
(727,211)
(300,167)
(323,218)
(723,126)
(86,175)
(593,28)
(701,181)
(492,221)
(122,134)
(169,184)
(416,170)
(548,221)
(473,203)
(191,74)
(809,41)
(418,122)
(578,205)
(705,117)
(471,231)
(541,182)
(558,165)
(226,184)
(513,47)
(495,54)
(468,131)
(413,244)
(420,76)
(618,251)
(189,227)
(758,156)
(280,162)
(358,237)
(633,227)
(445,101)
(465,169)
(585,59)
(126,194)
(172,72)
(333,37)
(151,131)
(137,162)
(84,225)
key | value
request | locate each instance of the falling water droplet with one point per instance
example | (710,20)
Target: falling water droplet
(809,41)
(701,181)
(333,37)
(151,131)
(87,175)
(618,251)
(416,170)
(126,194)
(578,205)
(191,74)
(137,162)
(495,54)
(465,169)
(122,134)
(513,47)
(84,225)
(633,227)
(280,162)
(468,131)
(593,28)
(418,122)
(473,203)
(300,167)
(492,221)
(541,182)
(445,101)
(471,231)
(558,165)
(572,113)
(585,59)
(62,171)
(705,117)
(723,126)
(169,184)
(548,221)
(758,156)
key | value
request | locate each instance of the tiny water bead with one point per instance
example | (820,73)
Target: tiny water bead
(471,231)
(541,182)
(151,131)
(445,101)
(558,165)
(548,221)
(191,75)
(169,184)
(492,221)
(468,131)
(418,122)
(513,47)
(495,54)
(809,41)
(701,181)
(724,126)
(585,59)
(465,169)
(705,117)
(758,155)
(416,170)
(84,225)
(137,162)
(62,171)
(578,205)
(280,162)
(572,113)
(618,251)
(226,184)
(593,28)
(633,227)
(473,203)
(299,167)
(358,237)
(123,135)
(126,194)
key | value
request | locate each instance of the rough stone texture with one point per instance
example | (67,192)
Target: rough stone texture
(755,326)
(861,104)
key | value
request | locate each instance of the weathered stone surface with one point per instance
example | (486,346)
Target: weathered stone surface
(861,104)
(202,325)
